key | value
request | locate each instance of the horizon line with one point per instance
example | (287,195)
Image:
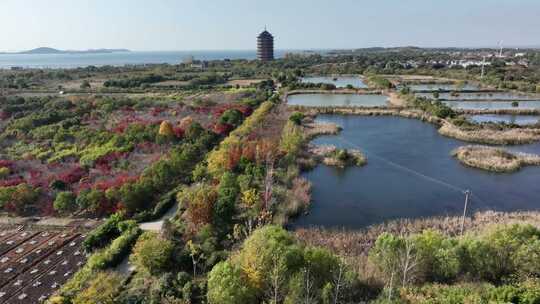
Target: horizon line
(279,49)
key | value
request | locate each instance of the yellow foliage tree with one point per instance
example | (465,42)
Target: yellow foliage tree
(166,129)
(4,172)
(250,197)
(261,250)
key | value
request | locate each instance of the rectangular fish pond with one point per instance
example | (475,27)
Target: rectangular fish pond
(493,96)
(442,86)
(506,118)
(493,105)
(338,81)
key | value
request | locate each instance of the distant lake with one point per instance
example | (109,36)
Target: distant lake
(339,82)
(326,100)
(119,59)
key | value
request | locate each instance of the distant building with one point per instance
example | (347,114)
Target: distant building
(197,64)
(265,46)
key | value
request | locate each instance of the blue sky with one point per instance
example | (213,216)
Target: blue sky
(297,24)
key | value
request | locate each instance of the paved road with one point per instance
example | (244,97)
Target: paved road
(155,226)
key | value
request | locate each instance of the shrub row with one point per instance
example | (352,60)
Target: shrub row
(106,258)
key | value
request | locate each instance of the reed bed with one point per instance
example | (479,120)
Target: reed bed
(494,159)
(514,136)
(313,129)
(330,155)
(354,245)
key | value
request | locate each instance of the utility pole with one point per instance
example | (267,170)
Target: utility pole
(467,193)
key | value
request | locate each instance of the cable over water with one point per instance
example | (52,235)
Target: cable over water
(406,169)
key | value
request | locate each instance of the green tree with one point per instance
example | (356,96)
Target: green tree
(232,117)
(225,206)
(265,249)
(438,259)
(65,202)
(152,254)
(90,199)
(85,85)
(297,118)
(226,286)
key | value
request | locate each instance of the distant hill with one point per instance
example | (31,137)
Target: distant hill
(48,50)
(42,50)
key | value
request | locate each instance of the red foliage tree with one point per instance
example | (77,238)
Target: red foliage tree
(72,175)
(46,208)
(222,129)
(12,182)
(156,111)
(116,182)
(37,179)
(234,155)
(7,164)
(4,115)
(105,161)
(179,132)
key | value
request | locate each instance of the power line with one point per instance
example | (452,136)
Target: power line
(403,168)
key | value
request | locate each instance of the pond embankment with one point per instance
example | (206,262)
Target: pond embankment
(360,91)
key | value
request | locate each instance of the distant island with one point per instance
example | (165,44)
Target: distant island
(48,50)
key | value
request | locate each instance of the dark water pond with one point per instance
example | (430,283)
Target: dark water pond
(509,119)
(382,190)
(326,100)
(339,82)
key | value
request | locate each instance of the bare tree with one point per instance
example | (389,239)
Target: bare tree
(338,281)
(196,255)
(268,180)
(408,260)
(308,286)
(277,278)
(391,287)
